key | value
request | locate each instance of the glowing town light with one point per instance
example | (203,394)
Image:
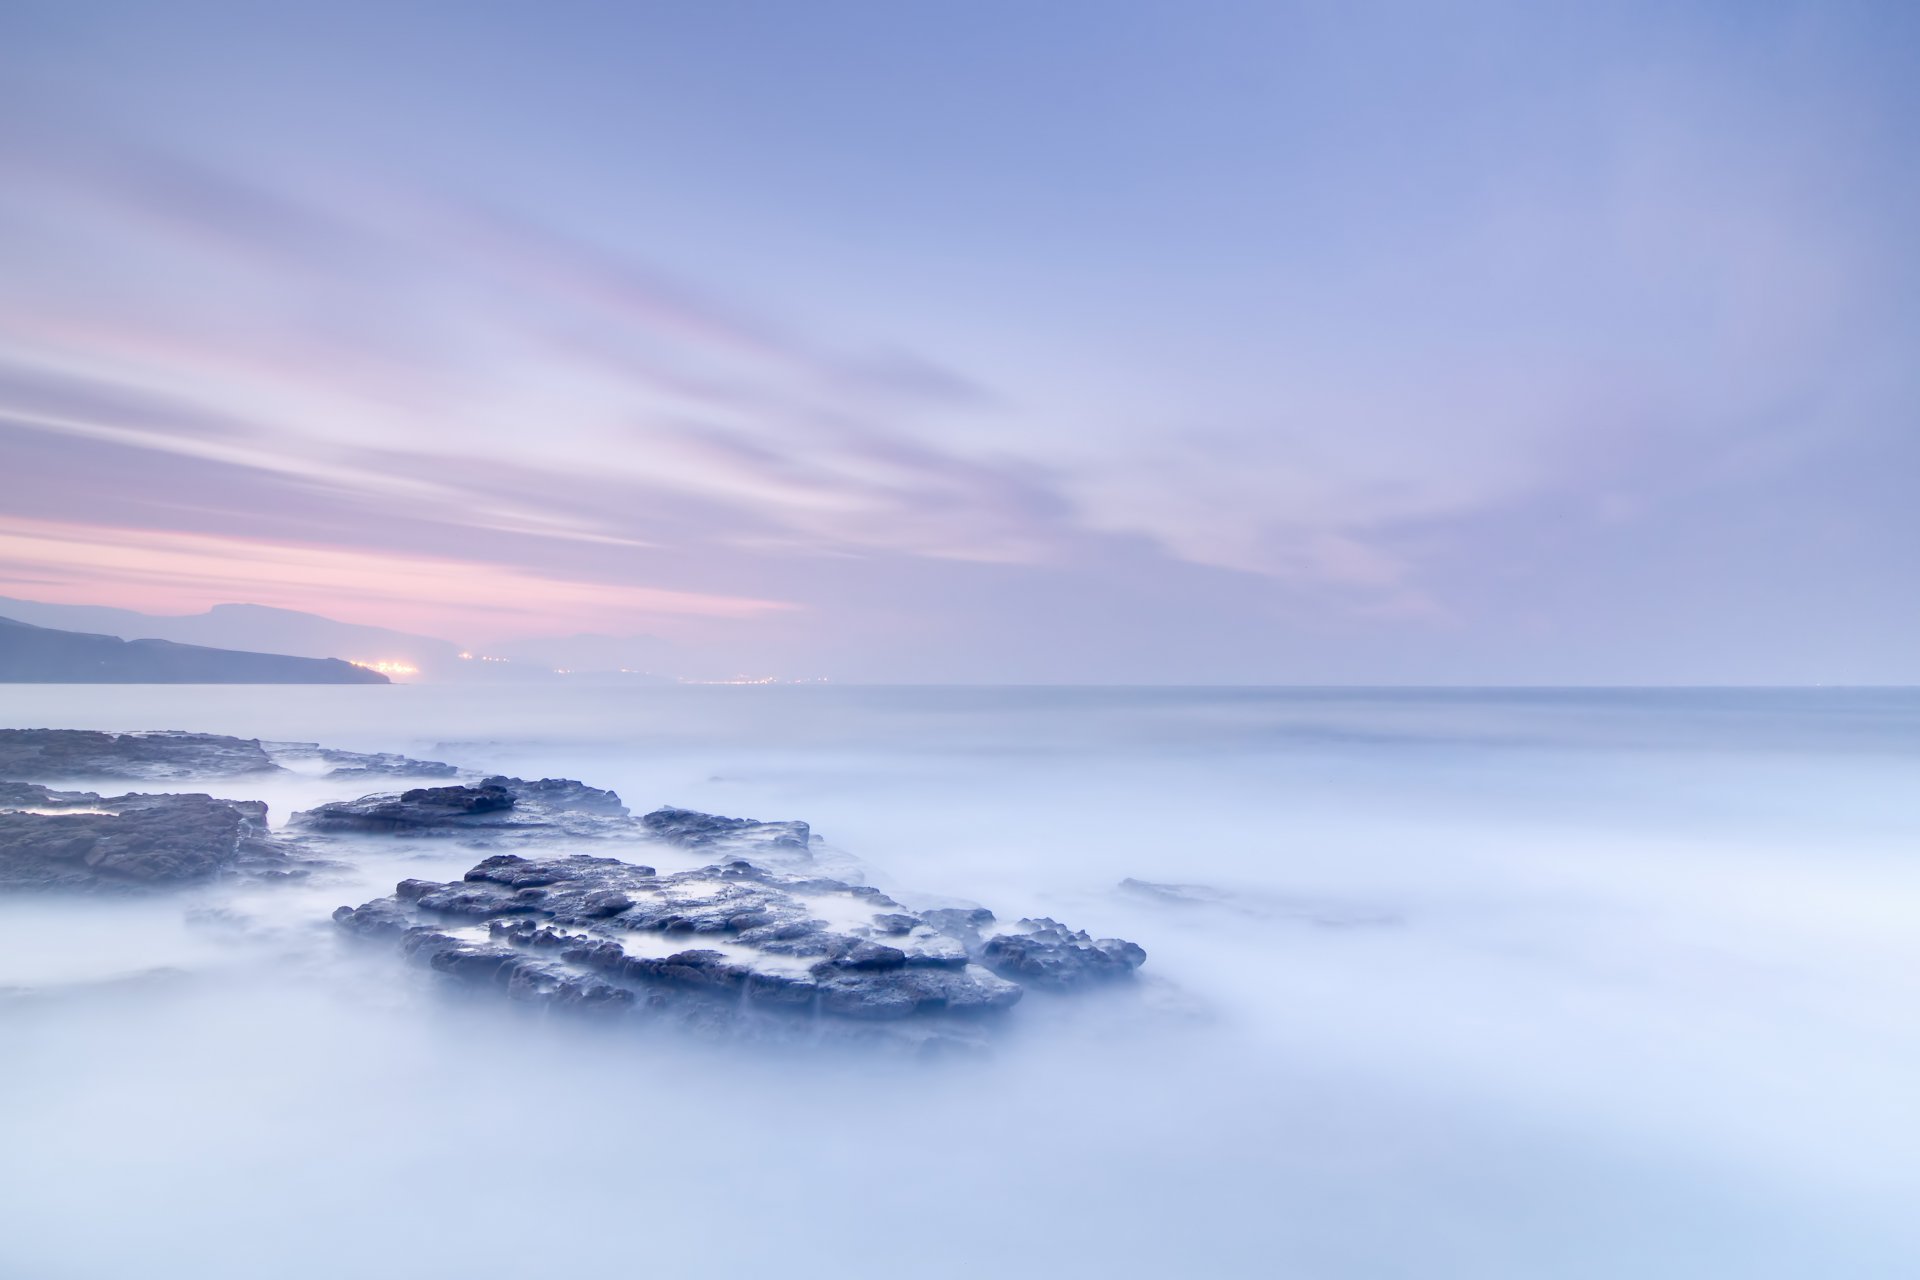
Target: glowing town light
(388,667)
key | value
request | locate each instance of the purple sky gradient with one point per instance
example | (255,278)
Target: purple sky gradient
(1071,342)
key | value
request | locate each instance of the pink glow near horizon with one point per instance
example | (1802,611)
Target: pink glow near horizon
(169,573)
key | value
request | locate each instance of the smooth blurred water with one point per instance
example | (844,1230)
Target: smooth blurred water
(1485,983)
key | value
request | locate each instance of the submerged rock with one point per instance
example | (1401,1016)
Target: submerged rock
(361,764)
(64,840)
(1310,910)
(39,754)
(1177,895)
(726,944)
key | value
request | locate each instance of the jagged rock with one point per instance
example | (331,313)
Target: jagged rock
(31,754)
(28,795)
(693,830)
(1046,953)
(496,807)
(421,811)
(134,842)
(724,942)
(563,795)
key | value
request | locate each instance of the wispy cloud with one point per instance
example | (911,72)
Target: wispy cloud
(151,566)
(1333,372)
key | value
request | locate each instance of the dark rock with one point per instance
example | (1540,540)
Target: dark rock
(782,944)
(1046,953)
(563,795)
(868,955)
(28,795)
(138,842)
(33,754)
(694,830)
(375,920)
(731,944)
(423,810)
(499,806)
(486,798)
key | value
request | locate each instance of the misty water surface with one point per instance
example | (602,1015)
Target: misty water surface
(1473,984)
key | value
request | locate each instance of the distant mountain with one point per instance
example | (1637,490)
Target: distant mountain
(253,627)
(41,655)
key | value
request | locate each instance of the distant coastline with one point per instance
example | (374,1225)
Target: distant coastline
(41,655)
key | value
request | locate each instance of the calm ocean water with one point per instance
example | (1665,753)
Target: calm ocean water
(1470,983)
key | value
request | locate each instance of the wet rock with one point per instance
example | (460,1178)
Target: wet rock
(1045,953)
(496,807)
(138,842)
(694,830)
(28,795)
(562,795)
(726,944)
(29,755)
(421,811)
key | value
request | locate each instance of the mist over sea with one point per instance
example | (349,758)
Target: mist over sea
(1462,983)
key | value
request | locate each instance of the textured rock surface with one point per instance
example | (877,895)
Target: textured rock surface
(759,941)
(562,795)
(1046,953)
(725,944)
(37,754)
(421,811)
(84,842)
(494,807)
(693,830)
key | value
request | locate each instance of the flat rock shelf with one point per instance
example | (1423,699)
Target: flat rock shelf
(759,942)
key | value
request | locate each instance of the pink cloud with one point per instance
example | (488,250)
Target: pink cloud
(154,569)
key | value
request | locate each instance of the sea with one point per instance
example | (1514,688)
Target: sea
(1440,983)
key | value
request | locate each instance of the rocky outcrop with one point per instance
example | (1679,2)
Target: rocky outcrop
(759,941)
(727,944)
(39,754)
(1046,953)
(428,811)
(66,840)
(562,795)
(693,830)
(496,806)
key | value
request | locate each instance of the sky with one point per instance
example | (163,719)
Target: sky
(1132,342)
